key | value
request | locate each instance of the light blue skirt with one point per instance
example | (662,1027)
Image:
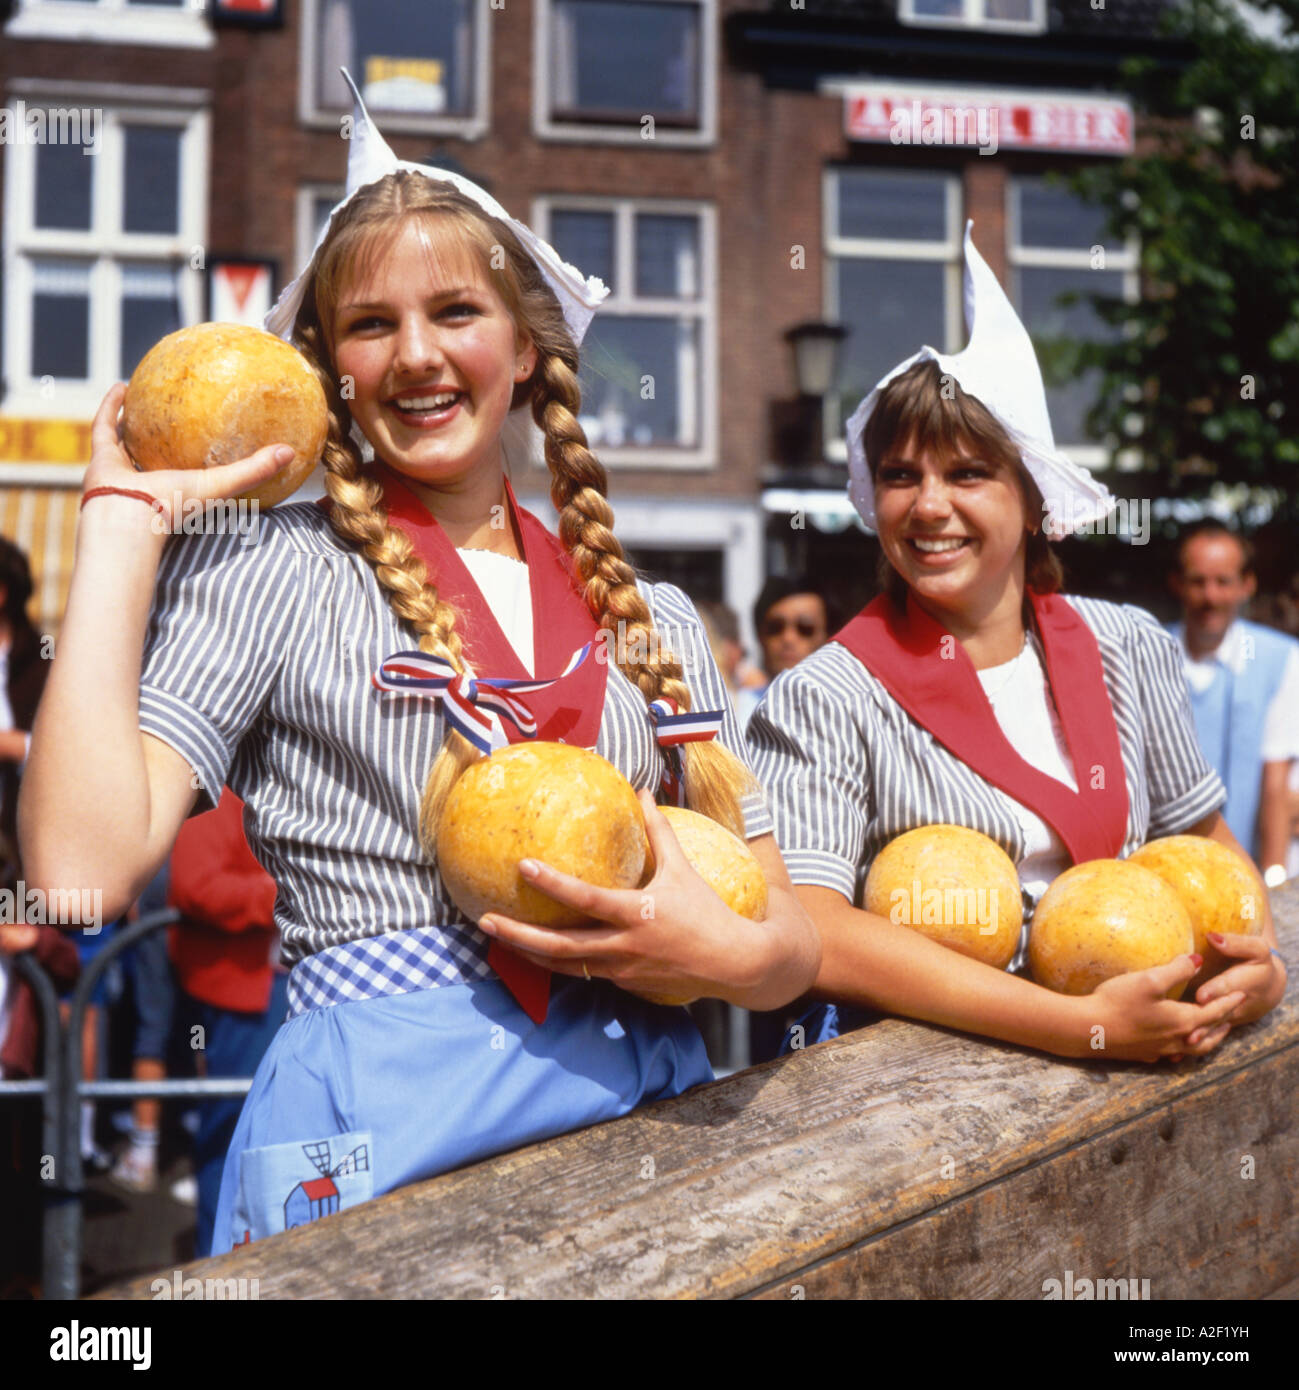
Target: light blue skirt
(355,1099)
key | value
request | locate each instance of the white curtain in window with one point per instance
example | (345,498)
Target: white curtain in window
(61,277)
(689,96)
(336,50)
(689,381)
(148,281)
(563,48)
(462,66)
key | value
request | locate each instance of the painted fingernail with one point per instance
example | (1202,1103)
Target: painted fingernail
(1215,937)
(529,868)
(1197,961)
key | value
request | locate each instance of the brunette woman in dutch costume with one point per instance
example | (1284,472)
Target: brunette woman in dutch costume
(417,1041)
(973,692)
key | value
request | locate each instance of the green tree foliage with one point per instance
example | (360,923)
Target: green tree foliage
(1202,375)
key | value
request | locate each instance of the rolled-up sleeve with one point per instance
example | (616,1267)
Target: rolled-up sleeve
(220,625)
(682,629)
(809,755)
(1184,788)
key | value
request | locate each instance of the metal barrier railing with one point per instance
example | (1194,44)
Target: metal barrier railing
(62,1090)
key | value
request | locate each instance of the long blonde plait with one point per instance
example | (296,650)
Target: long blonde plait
(715,779)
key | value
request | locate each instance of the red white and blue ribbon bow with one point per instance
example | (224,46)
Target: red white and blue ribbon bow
(672,729)
(466,698)
(695,726)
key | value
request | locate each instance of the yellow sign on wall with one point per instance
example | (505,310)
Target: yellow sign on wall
(44,441)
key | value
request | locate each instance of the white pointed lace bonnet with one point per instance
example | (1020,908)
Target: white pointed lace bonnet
(369,159)
(999,367)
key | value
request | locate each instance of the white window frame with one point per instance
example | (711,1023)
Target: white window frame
(625,300)
(1019,257)
(104,245)
(836,248)
(471,127)
(304,223)
(974,15)
(590,133)
(112,21)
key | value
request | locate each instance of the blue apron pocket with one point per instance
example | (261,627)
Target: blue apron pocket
(288,1185)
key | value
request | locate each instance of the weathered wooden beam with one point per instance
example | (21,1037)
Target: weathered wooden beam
(901,1161)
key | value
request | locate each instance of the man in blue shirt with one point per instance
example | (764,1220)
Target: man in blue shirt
(1244,684)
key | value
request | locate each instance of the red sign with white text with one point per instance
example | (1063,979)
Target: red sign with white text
(990,121)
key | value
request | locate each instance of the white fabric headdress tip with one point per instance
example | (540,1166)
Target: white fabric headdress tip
(999,367)
(369,159)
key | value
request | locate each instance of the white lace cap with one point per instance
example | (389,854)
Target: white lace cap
(999,367)
(369,159)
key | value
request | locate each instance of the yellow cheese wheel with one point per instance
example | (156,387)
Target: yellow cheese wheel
(218,392)
(722,859)
(1215,886)
(1104,918)
(953,885)
(725,863)
(568,807)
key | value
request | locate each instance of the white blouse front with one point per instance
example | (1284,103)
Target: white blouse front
(1021,699)
(503,582)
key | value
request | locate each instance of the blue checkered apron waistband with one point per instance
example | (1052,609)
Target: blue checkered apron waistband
(396,963)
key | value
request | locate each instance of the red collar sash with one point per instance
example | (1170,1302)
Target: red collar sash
(570,710)
(907,653)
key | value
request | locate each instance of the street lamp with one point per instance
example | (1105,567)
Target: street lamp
(796,425)
(816,355)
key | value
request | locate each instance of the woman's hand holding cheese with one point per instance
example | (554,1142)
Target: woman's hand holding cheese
(111,466)
(674,937)
(1258,977)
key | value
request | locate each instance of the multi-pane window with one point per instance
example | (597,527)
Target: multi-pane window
(420,64)
(638,70)
(1058,247)
(103,249)
(893,258)
(648,360)
(1028,16)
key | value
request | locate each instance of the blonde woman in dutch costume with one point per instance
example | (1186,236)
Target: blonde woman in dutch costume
(973,692)
(416,1041)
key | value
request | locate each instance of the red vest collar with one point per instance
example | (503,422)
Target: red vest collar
(934,680)
(569,711)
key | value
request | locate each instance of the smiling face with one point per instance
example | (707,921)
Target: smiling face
(430,352)
(953,523)
(1213,586)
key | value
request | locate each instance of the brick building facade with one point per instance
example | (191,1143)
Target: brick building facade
(756,198)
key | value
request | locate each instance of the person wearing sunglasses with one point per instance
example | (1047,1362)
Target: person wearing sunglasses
(793,617)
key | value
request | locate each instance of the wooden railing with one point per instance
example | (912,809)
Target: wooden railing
(902,1161)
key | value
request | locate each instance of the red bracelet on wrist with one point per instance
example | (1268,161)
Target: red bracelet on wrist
(121,492)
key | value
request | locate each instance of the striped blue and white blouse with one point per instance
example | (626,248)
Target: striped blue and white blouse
(256,670)
(846,769)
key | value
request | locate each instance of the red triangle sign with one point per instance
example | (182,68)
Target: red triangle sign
(241,279)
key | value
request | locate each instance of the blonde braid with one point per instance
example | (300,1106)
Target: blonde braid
(715,778)
(359,517)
